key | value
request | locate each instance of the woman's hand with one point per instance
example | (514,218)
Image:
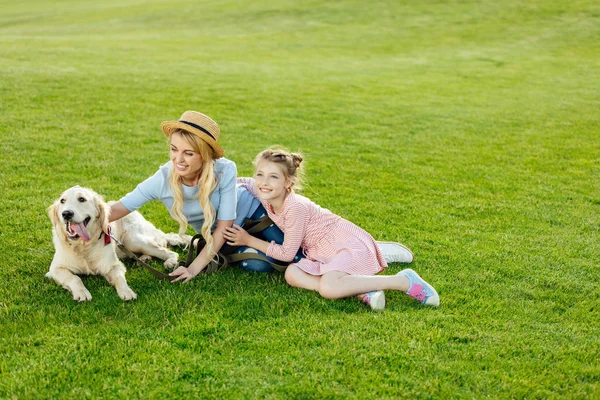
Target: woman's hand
(236,236)
(201,261)
(182,273)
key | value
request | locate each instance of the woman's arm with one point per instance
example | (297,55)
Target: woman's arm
(146,191)
(186,274)
(117,211)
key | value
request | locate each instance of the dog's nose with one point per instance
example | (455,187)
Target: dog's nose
(68,214)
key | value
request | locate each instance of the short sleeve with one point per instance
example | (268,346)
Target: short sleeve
(146,191)
(227,193)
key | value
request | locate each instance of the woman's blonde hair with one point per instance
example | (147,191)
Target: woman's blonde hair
(206,184)
(291,164)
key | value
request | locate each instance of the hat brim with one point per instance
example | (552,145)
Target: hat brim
(168,127)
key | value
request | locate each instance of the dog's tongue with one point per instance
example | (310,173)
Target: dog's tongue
(81,231)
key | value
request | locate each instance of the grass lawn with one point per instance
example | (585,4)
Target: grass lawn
(467,130)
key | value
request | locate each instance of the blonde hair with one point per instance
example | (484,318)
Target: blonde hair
(291,164)
(206,184)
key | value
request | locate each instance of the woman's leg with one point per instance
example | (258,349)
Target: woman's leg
(271,233)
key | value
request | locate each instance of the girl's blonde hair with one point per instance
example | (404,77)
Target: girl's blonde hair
(206,184)
(291,164)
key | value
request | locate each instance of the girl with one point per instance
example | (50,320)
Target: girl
(341,258)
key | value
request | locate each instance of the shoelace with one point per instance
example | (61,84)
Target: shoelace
(366,299)
(421,296)
(418,292)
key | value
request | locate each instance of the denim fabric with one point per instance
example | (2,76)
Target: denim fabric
(272,233)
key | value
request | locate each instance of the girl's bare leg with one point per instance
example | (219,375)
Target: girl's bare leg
(337,284)
(295,277)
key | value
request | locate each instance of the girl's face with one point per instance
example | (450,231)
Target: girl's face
(270,181)
(187,163)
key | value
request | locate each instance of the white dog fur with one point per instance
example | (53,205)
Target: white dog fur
(79,228)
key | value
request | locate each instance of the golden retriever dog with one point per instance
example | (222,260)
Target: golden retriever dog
(82,241)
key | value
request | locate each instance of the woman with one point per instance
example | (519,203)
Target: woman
(197,185)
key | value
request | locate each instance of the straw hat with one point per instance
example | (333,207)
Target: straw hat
(198,124)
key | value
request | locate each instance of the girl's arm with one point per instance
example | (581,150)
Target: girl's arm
(186,274)
(296,220)
(237,236)
(294,229)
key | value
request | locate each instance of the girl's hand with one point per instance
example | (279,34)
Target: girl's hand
(182,273)
(236,236)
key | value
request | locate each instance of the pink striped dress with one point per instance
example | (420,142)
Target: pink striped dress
(330,242)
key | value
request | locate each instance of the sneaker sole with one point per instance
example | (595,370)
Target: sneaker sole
(378,302)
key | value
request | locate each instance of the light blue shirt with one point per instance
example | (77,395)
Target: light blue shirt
(246,204)
(230,202)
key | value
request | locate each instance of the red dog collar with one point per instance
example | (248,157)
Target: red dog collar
(107,236)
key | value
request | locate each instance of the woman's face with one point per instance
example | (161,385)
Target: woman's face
(187,163)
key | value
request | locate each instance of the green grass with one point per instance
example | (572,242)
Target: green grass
(467,130)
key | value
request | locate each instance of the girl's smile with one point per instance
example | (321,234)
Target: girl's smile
(271,184)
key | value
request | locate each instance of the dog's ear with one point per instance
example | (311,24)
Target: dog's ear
(53,212)
(56,224)
(103,212)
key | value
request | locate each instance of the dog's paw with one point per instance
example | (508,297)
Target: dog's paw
(186,240)
(173,239)
(144,258)
(171,263)
(82,295)
(126,294)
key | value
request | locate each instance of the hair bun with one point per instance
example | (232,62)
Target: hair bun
(297,158)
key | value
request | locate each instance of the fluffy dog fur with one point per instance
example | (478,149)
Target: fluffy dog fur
(79,227)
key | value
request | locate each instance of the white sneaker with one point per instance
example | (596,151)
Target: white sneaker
(395,252)
(375,299)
